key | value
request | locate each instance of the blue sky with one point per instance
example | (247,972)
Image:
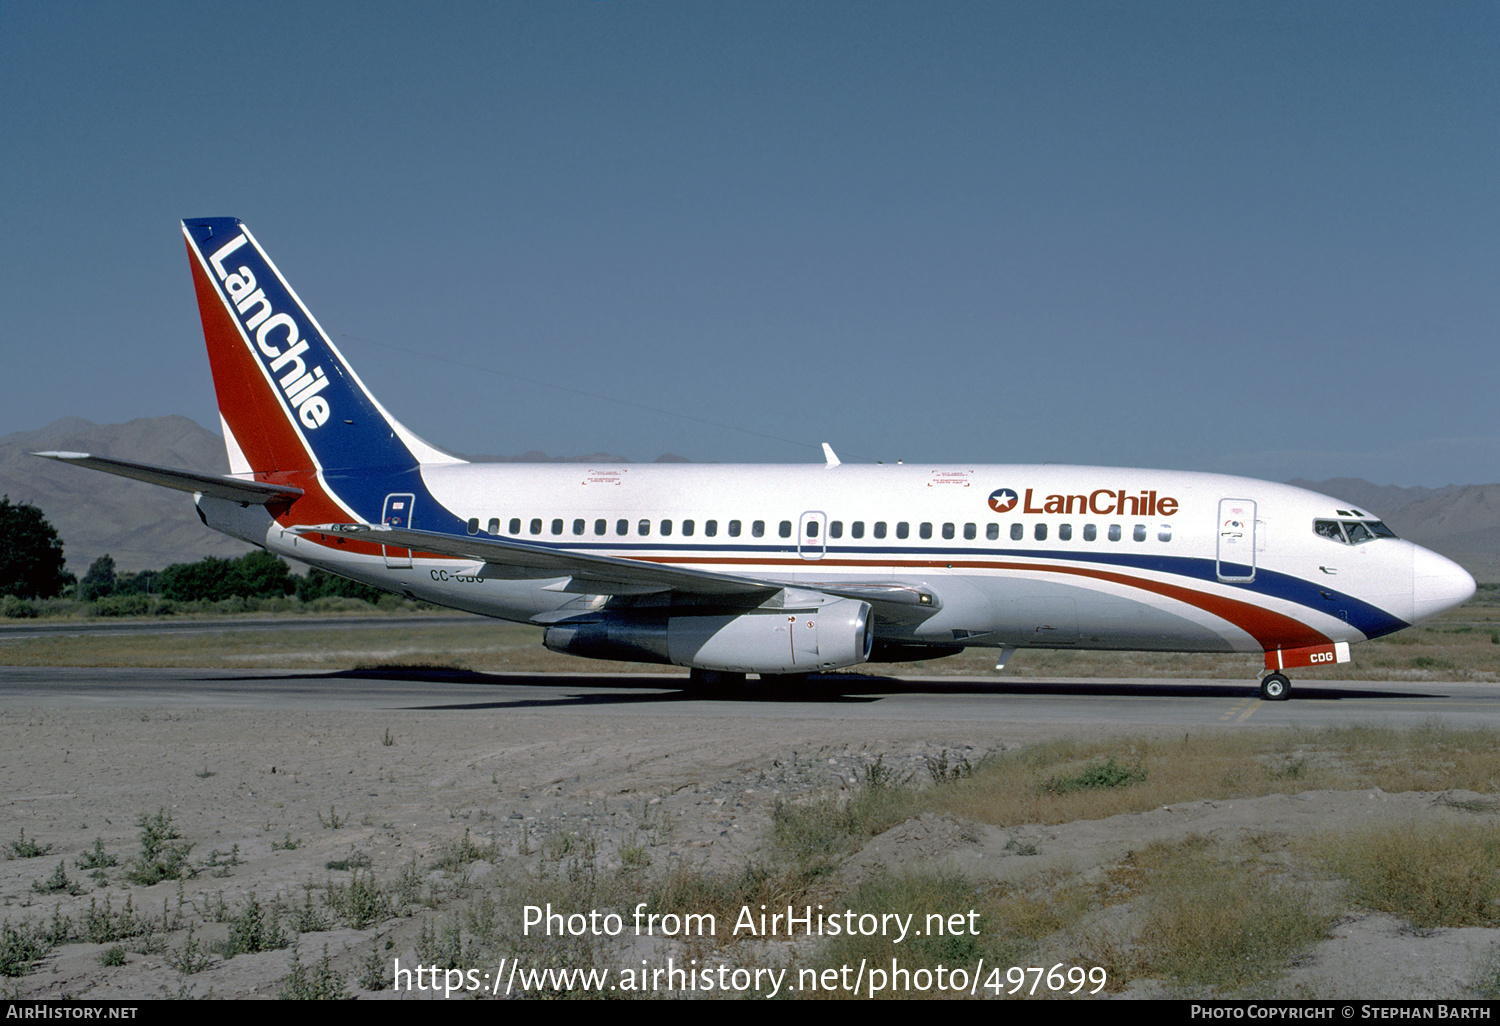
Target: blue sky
(1252,238)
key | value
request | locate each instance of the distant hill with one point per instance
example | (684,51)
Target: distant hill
(141,526)
(1460,521)
(1463,525)
(1377,500)
(145,527)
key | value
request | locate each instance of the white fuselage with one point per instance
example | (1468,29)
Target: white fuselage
(1018,556)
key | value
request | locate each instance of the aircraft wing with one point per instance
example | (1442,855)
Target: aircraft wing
(234,489)
(611,575)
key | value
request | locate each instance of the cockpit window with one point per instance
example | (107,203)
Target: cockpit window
(1352,532)
(1329,529)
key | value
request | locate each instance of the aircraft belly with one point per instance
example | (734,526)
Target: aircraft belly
(453,584)
(1047,614)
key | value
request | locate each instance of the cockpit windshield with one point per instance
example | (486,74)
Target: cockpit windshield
(1352,532)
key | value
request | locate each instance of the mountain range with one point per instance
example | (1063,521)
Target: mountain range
(146,527)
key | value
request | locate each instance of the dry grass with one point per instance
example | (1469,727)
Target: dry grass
(1206,916)
(1021,787)
(1198,915)
(485,646)
(1430,875)
(949,943)
(1462,645)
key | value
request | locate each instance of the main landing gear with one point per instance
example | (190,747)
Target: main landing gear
(700,679)
(706,680)
(1275,687)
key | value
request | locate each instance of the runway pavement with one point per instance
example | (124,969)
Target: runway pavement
(1085,704)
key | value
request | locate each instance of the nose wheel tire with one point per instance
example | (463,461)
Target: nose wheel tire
(1275,687)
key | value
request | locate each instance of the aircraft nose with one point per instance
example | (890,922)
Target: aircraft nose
(1437,584)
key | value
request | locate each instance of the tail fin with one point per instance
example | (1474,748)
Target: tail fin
(288,400)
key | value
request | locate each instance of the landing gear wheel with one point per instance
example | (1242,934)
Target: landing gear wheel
(783,680)
(702,680)
(1275,687)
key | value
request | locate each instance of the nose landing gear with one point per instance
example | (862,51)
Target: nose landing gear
(1275,687)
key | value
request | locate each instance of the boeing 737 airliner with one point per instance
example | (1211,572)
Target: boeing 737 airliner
(779,571)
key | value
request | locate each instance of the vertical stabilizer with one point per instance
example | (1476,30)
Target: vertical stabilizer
(288,399)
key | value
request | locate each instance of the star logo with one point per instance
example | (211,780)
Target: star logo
(1003,500)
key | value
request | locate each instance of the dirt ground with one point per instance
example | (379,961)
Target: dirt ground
(270,800)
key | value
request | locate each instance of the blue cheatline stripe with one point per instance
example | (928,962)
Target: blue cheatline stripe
(1368,619)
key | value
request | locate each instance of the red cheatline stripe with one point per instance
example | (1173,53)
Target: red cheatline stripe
(1269,629)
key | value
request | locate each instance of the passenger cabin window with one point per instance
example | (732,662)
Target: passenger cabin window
(536,526)
(1114,532)
(710,528)
(836,529)
(903,529)
(734,529)
(1041,532)
(578,526)
(687,528)
(925,530)
(880,528)
(601,527)
(515,525)
(1165,533)
(785,528)
(971,532)
(1064,532)
(857,529)
(992,532)
(473,525)
(1139,534)
(758,528)
(643,528)
(1090,532)
(1017,532)
(666,527)
(622,527)
(557,526)
(494,527)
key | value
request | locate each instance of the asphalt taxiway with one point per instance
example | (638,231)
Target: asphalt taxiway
(1085,704)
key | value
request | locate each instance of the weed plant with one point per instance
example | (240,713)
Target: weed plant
(21,947)
(320,983)
(24,849)
(164,855)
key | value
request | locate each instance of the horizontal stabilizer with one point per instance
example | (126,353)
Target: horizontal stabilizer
(234,489)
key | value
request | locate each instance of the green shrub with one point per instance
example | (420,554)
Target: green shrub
(164,855)
(1100,776)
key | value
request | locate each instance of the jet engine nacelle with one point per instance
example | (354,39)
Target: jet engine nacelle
(765,641)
